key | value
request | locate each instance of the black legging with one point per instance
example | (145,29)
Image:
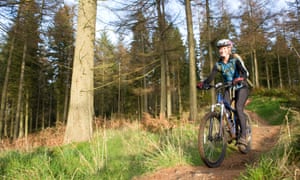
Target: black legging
(241,96)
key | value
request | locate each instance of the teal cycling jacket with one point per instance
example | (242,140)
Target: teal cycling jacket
(235,68)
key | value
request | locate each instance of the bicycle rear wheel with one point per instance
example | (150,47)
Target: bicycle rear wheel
(212,143)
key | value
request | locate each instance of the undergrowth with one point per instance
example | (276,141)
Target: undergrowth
(130,151)
(269,108)
(112,154)
(283,161)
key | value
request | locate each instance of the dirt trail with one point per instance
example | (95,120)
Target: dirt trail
(264,137)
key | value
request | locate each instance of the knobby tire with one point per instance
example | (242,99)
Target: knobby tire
(212,149)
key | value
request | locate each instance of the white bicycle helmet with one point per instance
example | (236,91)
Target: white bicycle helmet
(224,42)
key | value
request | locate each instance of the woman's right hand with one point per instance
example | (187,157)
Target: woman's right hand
(200,85)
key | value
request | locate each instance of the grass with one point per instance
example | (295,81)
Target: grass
(283,161)
(265,170)
(129,152)
(112,154)
(268,108)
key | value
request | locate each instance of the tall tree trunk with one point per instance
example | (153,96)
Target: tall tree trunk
(50,108)
(298,60)
(57,114)
(145,86)
(192,66)
(30,120)
(5,85)
(20,90)
(169,92)
(256,68)
(37,116)
(66,101)
(163,68)
(12,120)
(174,97)
(252,68)
(145,95)
(43,114)
(268,74)
(21,124)
(179,92)
(67,87)
(3,113)
(119,89)
(102,95)
(26,114)
(7,113)
(211,63)
(288,72)
(167,72)
(272,77)
(279,72)
(81,110)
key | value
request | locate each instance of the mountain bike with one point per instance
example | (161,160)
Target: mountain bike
(219,127)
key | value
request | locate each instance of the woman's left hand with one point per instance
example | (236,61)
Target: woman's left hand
(237,80)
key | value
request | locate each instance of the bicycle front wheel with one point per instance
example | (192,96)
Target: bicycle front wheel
(212,142)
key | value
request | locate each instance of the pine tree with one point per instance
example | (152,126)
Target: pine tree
(61,37)
(105,65)
(81,109)
(252,38)
(192,67)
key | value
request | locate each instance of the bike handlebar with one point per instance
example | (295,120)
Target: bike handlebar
(219,85)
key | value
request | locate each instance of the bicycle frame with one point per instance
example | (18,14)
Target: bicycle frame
(213,107)
(216,129)
(223,105)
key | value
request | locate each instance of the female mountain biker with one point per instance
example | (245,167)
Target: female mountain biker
(233,70)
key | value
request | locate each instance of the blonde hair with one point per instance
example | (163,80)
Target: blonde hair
(235,55)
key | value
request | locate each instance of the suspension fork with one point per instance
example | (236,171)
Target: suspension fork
(210,137)
(221,119)
(220,133)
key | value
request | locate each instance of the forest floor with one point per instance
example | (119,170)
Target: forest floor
(264,137)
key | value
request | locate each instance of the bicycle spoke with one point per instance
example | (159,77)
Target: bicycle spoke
(212,145)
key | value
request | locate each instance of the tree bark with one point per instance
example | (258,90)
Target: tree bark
(26,114)
(20,91)
(268,75)
(211,63)
(145,83)
(256,68)
(279,72)
(4,89)
(163,68)
(21,124)
(3,112)
(81,110)
(169,92)
(179,92)
(192,66)
(288,72)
